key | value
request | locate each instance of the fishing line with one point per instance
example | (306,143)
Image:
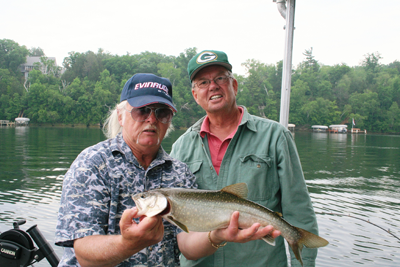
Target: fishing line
(348,215)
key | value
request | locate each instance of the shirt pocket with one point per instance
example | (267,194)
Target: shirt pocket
(204,176)
(195,166)
(256,171)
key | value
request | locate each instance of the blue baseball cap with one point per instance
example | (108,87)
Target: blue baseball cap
(143,89)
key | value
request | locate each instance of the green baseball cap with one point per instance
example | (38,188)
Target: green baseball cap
(207,58)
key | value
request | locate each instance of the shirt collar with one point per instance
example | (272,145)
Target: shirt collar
(248,120)
(118,144)
(205,126)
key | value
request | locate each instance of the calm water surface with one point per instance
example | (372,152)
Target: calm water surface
(347,175)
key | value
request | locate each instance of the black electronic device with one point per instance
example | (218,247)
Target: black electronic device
(17,248)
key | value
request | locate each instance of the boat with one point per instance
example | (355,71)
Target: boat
(338,128)
(21,121)
(319,128)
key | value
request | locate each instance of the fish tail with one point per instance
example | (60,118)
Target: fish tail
(306,239)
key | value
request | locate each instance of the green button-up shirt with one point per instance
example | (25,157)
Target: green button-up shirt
(262,154)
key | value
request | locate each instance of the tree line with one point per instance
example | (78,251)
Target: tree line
(91,83)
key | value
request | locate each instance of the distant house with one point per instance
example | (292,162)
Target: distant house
(30,64)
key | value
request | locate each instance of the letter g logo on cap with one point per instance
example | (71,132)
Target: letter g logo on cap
(206,57)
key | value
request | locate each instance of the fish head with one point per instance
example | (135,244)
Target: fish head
(150,203)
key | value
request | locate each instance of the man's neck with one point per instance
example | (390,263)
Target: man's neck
(223,124)
(144,155)
(145,159)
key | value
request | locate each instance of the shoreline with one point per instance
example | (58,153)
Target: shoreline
(81,125)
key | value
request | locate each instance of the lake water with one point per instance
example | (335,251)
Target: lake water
(354,182)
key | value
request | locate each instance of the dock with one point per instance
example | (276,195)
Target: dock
(18,122)
(358,130)
(338,128)
(6,123)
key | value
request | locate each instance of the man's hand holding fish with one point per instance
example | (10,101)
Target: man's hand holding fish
(147,232)
(134,237)
(195,245)
(235,234)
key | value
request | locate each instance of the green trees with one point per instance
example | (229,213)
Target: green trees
(10,83)
(12,55)
(256,91)
(36,52)
(393,118)
(92,82)
(83,65)
(11,80)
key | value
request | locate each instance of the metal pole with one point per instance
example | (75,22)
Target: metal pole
(287,64)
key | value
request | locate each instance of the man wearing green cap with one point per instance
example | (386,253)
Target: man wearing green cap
(229,146)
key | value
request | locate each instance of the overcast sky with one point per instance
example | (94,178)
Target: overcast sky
(339,31)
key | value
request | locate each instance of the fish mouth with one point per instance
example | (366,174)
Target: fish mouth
(137,203)
(165,211)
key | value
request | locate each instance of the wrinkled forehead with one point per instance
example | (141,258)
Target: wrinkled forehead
(211,71)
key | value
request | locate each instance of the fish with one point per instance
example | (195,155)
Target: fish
(206,210)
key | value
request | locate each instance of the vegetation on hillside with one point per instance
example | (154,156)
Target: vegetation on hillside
(92,82)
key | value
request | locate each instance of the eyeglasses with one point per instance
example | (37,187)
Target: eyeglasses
(220,80)
(164,115)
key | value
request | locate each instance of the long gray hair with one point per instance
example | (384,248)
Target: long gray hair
(111,125)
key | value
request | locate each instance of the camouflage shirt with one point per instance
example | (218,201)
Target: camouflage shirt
(98,188)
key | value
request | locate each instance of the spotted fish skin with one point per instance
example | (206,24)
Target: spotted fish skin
(207,210)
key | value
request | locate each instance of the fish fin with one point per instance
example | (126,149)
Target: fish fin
(311,240)
(177,223)
(239,190)
(297,248)
(307,239)
(269,239)
(279,214)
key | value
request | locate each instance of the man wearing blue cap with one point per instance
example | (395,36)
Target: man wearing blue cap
(95,217)
(230,146)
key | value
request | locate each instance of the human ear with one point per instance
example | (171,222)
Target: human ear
(194,93)
(120,118)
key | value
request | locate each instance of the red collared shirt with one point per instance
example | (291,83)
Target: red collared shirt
(216,146)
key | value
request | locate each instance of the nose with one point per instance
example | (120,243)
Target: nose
(152,117)
(213,85)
